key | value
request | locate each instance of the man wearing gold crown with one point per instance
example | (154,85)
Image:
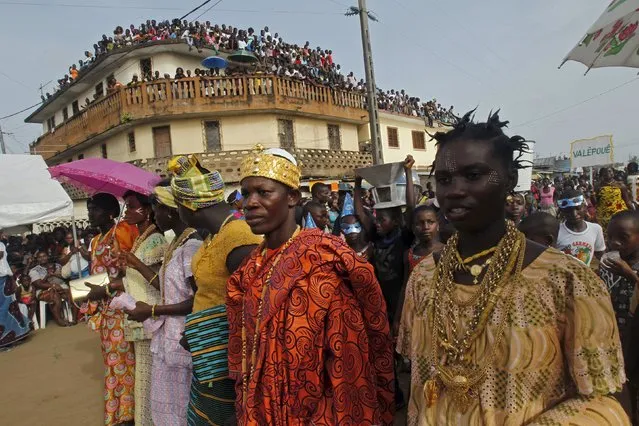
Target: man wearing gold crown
(309,338)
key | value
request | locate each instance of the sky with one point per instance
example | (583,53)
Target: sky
(489,54)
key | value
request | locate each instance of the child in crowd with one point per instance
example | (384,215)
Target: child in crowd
(425,230)
(542,228)
(618,269)
(235,200)
(581,239)
(318,214)
(391,239)
(353,232)
(26,295)
(515,207)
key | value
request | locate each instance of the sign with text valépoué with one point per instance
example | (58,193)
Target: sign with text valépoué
(597,151)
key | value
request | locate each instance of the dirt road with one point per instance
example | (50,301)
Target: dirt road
(54,378)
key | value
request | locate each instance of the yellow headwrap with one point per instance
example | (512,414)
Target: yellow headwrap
(164,195)
(193,186)
(271,165)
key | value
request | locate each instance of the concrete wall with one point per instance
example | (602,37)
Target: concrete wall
(236,133)
(405,127)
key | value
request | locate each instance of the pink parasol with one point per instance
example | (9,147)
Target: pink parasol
(94,175)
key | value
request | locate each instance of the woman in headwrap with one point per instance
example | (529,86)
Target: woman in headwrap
(309,337)
(199,195)
(141,266)
(118,354)
(172,371)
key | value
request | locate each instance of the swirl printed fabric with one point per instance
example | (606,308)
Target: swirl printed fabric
(324,353)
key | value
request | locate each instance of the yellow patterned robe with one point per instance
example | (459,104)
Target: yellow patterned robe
(558,360)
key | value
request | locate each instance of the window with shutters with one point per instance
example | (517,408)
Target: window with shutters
(51,123)
(131,139)
(212,133)
(419,140)
(65,114)
(393,137)
(103,149)
(99,90)
(334,137)
(146,69)
(75,108)
(285,131)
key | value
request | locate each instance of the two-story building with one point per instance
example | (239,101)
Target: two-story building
(219,118)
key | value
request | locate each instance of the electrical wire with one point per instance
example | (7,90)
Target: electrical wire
(200,15)
(543,117)
(21,111)
(97,6)
(207,1)
(14,80)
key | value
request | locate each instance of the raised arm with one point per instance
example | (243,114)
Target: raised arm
(409,162)
(364,218)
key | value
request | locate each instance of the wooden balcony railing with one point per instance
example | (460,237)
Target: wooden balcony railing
(316,163)
(200,95)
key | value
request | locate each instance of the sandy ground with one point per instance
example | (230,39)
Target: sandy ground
(53,378)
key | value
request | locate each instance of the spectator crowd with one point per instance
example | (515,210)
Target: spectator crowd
(274,55)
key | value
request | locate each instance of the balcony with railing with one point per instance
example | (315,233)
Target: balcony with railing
(201,96)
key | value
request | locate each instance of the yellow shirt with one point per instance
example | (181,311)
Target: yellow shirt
(209,263)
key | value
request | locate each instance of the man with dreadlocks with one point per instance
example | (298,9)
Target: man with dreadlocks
(501,330)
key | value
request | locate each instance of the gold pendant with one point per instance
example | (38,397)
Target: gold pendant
(431,392)
(475,270)
(460,395)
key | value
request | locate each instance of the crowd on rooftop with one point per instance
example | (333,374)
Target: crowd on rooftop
(275,56)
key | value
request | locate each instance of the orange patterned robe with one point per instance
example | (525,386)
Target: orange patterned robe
(325,353)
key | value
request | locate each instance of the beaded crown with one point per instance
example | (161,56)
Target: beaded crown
(271,166)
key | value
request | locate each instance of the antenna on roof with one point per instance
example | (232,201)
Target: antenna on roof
(42,86)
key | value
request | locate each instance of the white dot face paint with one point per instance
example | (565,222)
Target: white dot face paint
(493,178)
(450,162)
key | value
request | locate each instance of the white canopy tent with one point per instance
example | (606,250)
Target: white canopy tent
(28,194)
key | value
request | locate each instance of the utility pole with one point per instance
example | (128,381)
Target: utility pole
(2,147)
(371,88)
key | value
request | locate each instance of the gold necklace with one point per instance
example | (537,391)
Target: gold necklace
(476,270)
(501,255)
(456,373)
(505,259)
(479,255)
(168,254)
(246,374)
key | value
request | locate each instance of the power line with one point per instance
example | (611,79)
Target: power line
(14,80)
(184,16)
(21,111)
(200,15)
(86,6)
(97,6)
(575,104)
(116,62)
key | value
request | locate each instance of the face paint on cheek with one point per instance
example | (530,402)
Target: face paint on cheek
(493,178)
(449,162)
